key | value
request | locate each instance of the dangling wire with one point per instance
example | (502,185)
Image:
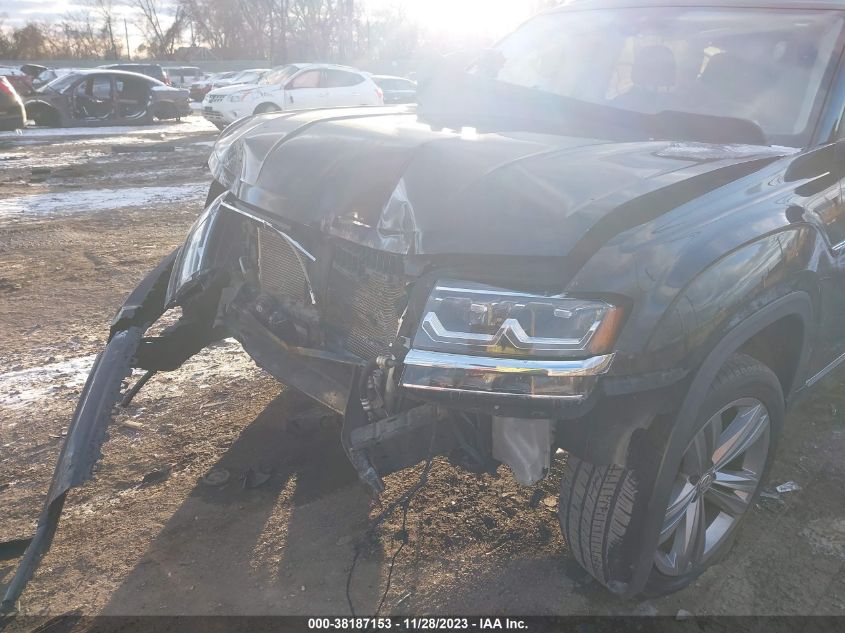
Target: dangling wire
(404,501)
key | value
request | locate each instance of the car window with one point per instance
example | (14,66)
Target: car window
(767,66)
(97,87)
(247,77)
(340,79)
(308,79)
(278,76)
(395,84)
(59,84)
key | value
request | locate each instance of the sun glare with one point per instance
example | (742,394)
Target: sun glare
(470,17)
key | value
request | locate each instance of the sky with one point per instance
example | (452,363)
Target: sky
(470,17)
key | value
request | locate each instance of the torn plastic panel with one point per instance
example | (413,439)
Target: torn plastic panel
(126,349)
(87,430)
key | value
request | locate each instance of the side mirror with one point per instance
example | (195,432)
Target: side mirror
(817,162)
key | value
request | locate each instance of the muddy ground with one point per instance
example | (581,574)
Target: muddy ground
(79,226)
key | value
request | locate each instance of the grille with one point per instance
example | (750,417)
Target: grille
(279,268)
(215,98)
(365,299)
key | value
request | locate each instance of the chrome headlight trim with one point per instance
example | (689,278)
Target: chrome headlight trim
(595,366)
(503,378)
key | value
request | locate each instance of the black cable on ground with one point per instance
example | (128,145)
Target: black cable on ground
(405,502)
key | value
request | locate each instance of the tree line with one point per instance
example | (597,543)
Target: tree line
(278,31)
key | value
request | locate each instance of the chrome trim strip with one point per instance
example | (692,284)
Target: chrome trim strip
(496,291)
(824,372)
(557,368)
(497,394)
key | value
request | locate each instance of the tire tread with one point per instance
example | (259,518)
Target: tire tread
(597,503)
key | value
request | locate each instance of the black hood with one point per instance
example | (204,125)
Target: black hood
(384,178)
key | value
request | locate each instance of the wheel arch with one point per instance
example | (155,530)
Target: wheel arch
(795,307)
(257,109)
(164,109)
(40,108)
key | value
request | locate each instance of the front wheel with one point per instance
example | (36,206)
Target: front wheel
(720,475)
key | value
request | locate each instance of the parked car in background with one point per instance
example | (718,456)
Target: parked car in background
(202,87)
(250,76)
(396,89)
(21,81)
(33,70)
(106,97)
(150,70)
(49,74)
(293,87)
(12,111)
(183,76)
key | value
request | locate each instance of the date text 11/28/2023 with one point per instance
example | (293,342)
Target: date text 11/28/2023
(417,624)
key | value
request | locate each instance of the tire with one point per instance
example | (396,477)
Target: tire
(164,112)
(46,116)
(267,107)
(601,505)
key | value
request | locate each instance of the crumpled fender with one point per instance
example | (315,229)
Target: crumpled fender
(87,430)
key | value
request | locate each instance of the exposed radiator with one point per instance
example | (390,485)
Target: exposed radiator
(279,266)
(364,296)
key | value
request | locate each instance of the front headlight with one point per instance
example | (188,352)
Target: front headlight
(192,262)
(503,346)
(240,96)
(463,318)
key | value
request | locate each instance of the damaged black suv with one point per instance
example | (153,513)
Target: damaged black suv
(621,233)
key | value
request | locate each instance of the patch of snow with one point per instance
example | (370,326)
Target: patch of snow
(22,387)
(61,159)
(85,201)
(27,387)
(186,126)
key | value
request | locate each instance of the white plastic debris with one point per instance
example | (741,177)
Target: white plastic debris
(789,486)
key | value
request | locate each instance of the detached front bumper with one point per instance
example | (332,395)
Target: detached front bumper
(87,430)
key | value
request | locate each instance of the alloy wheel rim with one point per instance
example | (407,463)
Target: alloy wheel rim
(719,474)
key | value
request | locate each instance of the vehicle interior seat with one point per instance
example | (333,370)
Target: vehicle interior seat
(87,105)
(653,75)
(729,85)
(132,97)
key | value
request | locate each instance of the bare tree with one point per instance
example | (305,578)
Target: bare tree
(105,10)
(162,31)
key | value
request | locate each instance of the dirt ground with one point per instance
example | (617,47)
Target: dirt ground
(79,226)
